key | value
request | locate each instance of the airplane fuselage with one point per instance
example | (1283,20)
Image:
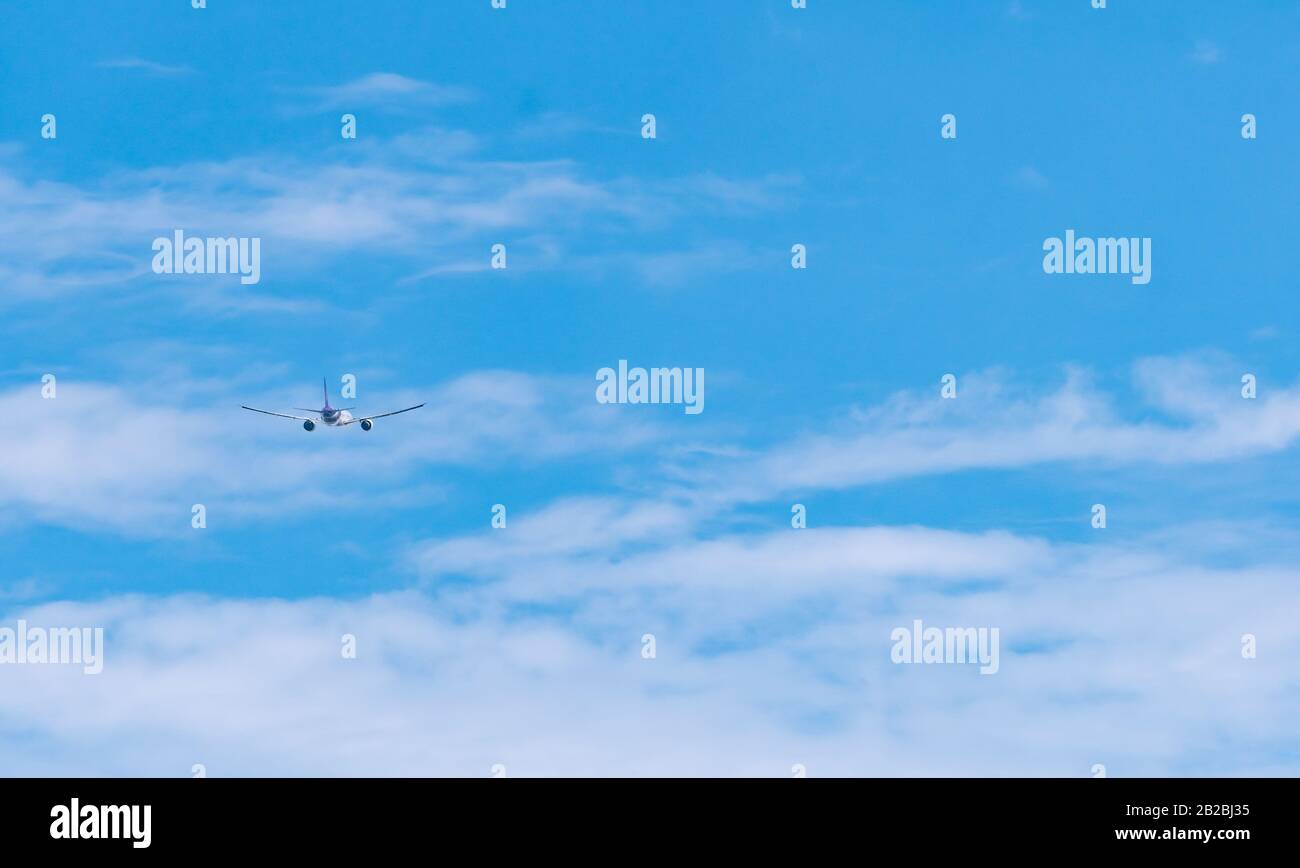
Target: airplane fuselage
(335,417)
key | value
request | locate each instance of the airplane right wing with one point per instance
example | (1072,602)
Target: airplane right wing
(282,415)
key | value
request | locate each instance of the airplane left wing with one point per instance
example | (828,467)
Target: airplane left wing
(382,415)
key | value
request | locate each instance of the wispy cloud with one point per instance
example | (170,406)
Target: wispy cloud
(562,125)
(417,197)
(1030,178)
(146,66)
(1194,415)
(110,456)
(1016,10)
(1265,333)
(1205,52)
(385,91)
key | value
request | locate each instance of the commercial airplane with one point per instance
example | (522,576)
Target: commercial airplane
(331,416)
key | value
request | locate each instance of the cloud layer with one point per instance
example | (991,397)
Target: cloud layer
(770,651)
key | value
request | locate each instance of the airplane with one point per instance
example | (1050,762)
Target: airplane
(332,416)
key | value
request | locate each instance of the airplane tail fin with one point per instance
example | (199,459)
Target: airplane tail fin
(326,389)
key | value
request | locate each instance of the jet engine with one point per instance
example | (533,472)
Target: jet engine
(367,424)
(309,425)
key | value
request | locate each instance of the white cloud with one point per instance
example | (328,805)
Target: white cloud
(1124,655)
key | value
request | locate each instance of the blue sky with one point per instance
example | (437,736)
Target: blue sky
(776,126)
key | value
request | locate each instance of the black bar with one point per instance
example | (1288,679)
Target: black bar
(666,816)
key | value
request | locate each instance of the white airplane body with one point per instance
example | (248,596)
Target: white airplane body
(332,417)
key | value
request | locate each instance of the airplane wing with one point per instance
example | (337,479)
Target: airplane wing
(382,415)
(282,415)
